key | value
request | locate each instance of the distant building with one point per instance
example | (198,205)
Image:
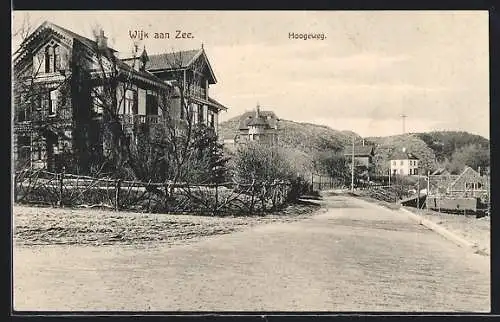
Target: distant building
(466,191)
(258,126)
(363,154)
(404,163)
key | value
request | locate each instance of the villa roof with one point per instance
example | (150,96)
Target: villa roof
(360,150)
(268,116)
(400,155)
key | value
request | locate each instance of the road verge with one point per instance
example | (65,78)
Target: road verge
(454,237)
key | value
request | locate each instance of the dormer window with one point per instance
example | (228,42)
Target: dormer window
(52,58)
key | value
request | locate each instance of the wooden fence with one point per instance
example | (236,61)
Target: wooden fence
(60,189)
(320,182)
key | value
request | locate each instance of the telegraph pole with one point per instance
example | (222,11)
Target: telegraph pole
(418,192)
(428,188)
(403,117)
(352,166)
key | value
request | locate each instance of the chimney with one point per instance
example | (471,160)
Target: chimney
(257,111)
(102,41)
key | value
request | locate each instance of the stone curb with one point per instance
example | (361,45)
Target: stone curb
(440,230)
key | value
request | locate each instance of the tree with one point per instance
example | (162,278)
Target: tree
(39,112)
(254,161)
(334,164)
(472,155)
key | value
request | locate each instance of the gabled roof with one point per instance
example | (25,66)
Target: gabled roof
(400,155)
(360,150)
(217,104)
(142,75)
(259,121)
(174,60)
(177,60)
(466,169)
(58,29)
(247,117)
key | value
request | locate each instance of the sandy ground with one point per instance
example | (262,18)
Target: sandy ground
(64,226)
(472,229)
(355,256)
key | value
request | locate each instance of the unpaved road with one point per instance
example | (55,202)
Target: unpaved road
(355,256)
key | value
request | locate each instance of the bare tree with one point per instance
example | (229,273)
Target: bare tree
(34,110)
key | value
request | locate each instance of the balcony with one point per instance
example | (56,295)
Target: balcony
(199,92)
(140,119)
(21,127)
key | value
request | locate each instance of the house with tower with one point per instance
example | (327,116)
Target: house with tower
(258,126)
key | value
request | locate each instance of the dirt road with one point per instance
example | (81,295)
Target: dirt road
(355,256)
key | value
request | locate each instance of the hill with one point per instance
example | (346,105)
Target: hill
(306,137)
(301,140)
(445,143)
(305,140)
(432,148)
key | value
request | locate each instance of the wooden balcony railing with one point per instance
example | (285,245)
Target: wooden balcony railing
(140,119)
(198,92)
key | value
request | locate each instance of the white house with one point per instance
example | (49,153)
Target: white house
(404,163)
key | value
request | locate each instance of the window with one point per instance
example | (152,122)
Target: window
(130,106)
(415,171)
(24,109)
(401,162)
(200,113)
(151,104)
(38,151)
(409,171)
(53,95)
(211,119)
(24,147)
(394,163)
(57,59)
(394,172)
(97,99)
(52,56)
(48,58)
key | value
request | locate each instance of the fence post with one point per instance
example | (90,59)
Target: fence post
(117,194)
(216,205)
(252,200)
(61,178)
(273,195)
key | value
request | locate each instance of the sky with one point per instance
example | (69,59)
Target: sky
(370,68)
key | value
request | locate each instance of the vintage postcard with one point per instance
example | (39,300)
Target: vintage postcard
(265,161)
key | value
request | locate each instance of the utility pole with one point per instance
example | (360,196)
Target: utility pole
(428,188)
(389,177)
(403,117)
(352,166)
(418,192)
